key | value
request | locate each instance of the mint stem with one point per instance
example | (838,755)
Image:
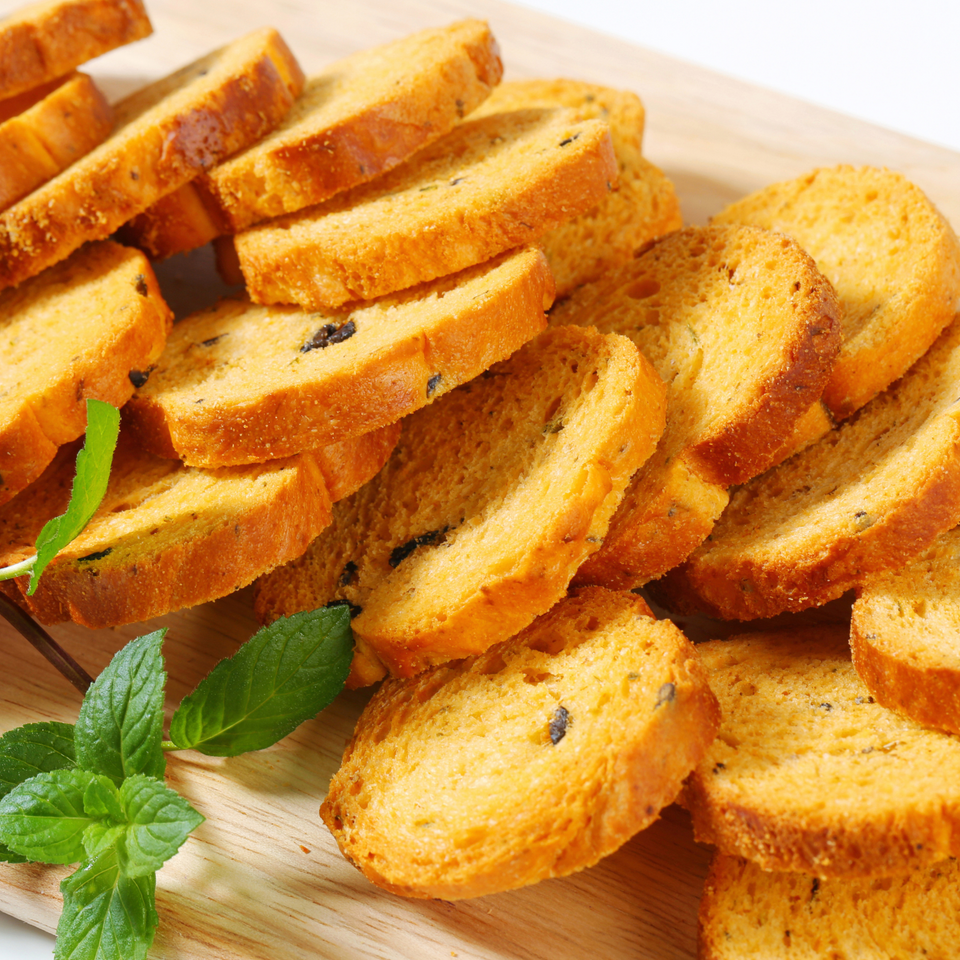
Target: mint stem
(16,569)
(42,640)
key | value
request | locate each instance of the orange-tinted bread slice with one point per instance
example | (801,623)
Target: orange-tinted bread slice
(643,206)
(905,636)
(809,773)
(495,495)
(488,186)
(45,40)
(743,328)
(87,327)
(166,134)
(240,383)
(357,119)
(47,137)
(168,536)
(532,760)
(893,259)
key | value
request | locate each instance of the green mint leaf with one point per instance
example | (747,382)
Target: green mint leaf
(106,916)
(103,835)
(285,674)
(89,486)
(101,799)
(43,819)
(120,727)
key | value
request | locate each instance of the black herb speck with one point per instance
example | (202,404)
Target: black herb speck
(141,283)
(348,574)
(461,106)
(139,377)
(563,143)
(826,706)
(814,888)
(428,539)
(134,175)
(328,335)
(98,555)
(212,340)
(666,694)
(558,724)
(433,383)
(718,767)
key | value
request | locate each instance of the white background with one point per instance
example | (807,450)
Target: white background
(894,64)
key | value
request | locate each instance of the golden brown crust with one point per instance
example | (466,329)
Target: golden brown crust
(81,329)
(48,39)
(453,783)
(44,139)
(459,202)
(439,552)
(346,466)
(893,259)
(166,134)
(238,384)
(809,773)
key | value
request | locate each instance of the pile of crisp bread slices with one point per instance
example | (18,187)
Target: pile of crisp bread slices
(481,386)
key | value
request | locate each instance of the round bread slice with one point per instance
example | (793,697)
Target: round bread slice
(357,119)
(743,328)
(749,914)
(168,536)
(495,495)
(905,636)
(533,760)
(84,328)
(166,134)
(893,259)
(487,186)
(240,383)
(44,139)
(810,773)
(643,206)
(867,498)
(45,40)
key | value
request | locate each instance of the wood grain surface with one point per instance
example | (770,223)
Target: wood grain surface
(262,878)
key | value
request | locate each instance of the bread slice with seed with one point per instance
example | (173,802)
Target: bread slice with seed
(643,206)
(743,328)
(488,186)
(357,119)
(39,142)
(45,40)
(749,914)
(532,760)
(240,383)
(893,259)
(495,495)
(166,134)
(867,498)
(168,536)
(905,636)
(809,773)
(84,328)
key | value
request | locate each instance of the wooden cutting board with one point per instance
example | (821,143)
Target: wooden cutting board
(262,878)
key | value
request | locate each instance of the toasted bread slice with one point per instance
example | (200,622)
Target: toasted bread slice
(643,206)
(893,259)
(241,383)
(749,914)
(905,636)
(168,536)
(357,119)
(809,773)
(47,137)
(867,498)
(488,186)
(743,327)
(84,328)
(495,495)
(453,780)
(166,134)
(45,40)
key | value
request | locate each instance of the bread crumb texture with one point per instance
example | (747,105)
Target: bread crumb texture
(532,760)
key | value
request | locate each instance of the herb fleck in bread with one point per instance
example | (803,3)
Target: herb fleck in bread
(893,259)
(166,134)
(487,186)
(357,119)
(743,328)
(85,328)
(495,495)
(643,206)
(240,383)
(809,773)
(532,760)
(45,40)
